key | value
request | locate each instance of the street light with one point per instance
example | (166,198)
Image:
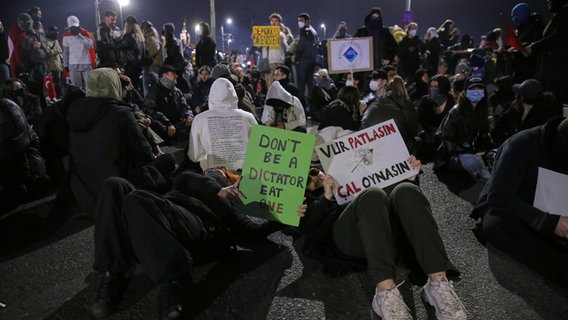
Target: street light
(324,30)
(225,36)
(122,3)
(197,31)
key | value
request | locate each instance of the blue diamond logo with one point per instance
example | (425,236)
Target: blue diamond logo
(350,54)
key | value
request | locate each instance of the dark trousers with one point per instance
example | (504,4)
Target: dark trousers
(304,76)
(134,225)
(546,255)
(378,226)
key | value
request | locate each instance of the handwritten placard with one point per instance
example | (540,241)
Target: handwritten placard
(266,36)
(376,156)
(275,173)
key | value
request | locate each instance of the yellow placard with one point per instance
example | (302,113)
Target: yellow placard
(266,36)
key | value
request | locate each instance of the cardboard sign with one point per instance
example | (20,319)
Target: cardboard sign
(266,36)
(350,55)
(373,157)
(275,173)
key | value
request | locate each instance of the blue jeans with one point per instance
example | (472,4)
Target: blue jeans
(474,165)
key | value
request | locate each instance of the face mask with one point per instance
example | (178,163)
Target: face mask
(19,92)
(167,83)
(437,97)
(374,22)
(475,95)
(412,33)
(342,32)
(349,83)
(301,24)
(374,86)
(36,18)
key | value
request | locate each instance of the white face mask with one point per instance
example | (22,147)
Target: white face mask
(301,24)
(412,33)
(349,83)
(374,86)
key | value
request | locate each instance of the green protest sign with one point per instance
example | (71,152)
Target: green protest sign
(275,173)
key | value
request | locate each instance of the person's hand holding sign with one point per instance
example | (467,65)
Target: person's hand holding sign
(232,193)
(415,164)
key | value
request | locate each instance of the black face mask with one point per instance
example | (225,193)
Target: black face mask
(19,92)
(75,30)
(437,98)
(52,35)
(342,32)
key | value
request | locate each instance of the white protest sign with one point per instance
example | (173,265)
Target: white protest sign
(227,138)
(550,193)
(373,157)
(350,55)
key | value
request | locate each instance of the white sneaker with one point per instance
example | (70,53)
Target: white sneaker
(390,305)
(441,296)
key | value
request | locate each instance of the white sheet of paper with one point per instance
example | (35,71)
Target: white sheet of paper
(551,193)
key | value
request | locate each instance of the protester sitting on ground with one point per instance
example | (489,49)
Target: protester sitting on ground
(219,136)
(377,86)
(282,110)
(22,164)
(282,75)
(200,91)
(395,105)
(143,120)
(323,93)
(373,230)
(18,92)
(419,87)
(197,218)
(105,139)
(532,107)
(511,221)
(431,110)
(168,108)
(345,111)
(464,132)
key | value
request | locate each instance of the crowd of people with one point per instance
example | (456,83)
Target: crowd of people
(93,110)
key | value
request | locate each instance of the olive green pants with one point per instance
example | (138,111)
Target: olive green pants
(377,225)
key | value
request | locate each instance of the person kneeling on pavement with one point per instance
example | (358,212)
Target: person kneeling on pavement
(377,228)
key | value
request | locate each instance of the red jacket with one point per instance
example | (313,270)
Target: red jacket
(17,41)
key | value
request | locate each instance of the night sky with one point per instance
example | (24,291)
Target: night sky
(475,17)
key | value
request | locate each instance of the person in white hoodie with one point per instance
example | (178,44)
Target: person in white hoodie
(76,52)
(220,135)
(283,110)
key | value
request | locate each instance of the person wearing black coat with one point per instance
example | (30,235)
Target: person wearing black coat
(104,140)
(551,52)
(344,111)
(510,220)
(196,219)
(205,49)
(167,106)
(410,50)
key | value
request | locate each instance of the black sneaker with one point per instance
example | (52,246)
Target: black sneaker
(170,301)
(108,295)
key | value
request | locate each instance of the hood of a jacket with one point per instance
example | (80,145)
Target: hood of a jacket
(277,92)
(104,83)
(222,95)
